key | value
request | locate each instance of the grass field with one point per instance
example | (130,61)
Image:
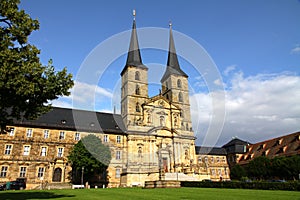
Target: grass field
(138,193)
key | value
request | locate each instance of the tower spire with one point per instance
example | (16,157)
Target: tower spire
(173,66)
(134,54)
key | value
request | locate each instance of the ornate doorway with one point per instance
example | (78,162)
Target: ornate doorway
(57,175)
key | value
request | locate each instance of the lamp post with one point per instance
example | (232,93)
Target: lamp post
(82,170)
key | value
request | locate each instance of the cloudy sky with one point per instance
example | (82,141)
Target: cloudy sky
(246,84)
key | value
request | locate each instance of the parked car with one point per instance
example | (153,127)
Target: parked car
(18,184)
(2,187)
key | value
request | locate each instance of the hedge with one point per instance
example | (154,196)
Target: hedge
(292,186)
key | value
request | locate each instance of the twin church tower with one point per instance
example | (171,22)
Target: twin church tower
(160,137)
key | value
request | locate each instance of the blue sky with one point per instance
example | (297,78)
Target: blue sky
(255,46)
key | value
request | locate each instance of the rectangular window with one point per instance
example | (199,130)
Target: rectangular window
(118,173)
(61,135)
(41,172)
(3,171)
(219,172)
(77,136)
(212,159)
(26,150)
(118,155)
(12,132)
(218,159)
(213,172)
(44,151)
(46,134)
(29,132)
(22,171)
(105,138)
(60,152)
(118,139)
(8,149)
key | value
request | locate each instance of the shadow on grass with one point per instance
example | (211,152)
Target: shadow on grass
(31,195)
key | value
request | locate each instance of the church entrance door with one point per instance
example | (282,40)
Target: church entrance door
(165,164)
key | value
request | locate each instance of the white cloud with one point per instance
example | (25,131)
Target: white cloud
(257,108)
(229,69)
(296,50)
(85,96)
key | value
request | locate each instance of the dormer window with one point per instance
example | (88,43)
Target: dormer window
(63,121)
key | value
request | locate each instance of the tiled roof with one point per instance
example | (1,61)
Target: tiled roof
(80,120)
(287,145)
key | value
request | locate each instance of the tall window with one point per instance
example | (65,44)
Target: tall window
(118,139)
(3,171)
(46,134)
(179,83)
(180,99)
(118,173)
(29,132)
(61,135)
(137,89)
(137,107)
(77,136)
(8,149)
(137,75)
(41,172)
(60,152)
(162,120)
(12,132)
(44,151)
(22,171)
(105,138)
(118,155)
(26,150)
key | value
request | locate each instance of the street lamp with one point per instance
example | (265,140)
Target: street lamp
(82,170)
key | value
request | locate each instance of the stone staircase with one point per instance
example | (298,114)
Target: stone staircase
(179,177)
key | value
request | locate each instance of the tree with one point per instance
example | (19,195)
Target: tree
(259,168)
(26,86)
(91,154)
(237,172)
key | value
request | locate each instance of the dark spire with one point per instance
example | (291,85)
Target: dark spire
(172,64)
(134,55)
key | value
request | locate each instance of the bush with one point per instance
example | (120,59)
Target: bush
(292,186)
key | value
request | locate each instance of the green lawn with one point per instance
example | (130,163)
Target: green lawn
(138,193)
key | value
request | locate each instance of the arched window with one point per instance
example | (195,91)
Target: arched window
(167,96)
(137,75)
(137,89)
(179,83)
(180,99)
(137,107)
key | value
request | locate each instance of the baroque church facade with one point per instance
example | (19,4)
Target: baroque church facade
(152,139)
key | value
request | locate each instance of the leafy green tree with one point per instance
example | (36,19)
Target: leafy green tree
(259,168)
(237,172)
(26,86)
(89,153)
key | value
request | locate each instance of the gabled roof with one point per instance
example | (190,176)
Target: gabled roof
(173,67)
(235,141)
(134,55)
(78,120)
(200,150)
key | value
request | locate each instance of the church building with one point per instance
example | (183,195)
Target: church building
(152,139)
